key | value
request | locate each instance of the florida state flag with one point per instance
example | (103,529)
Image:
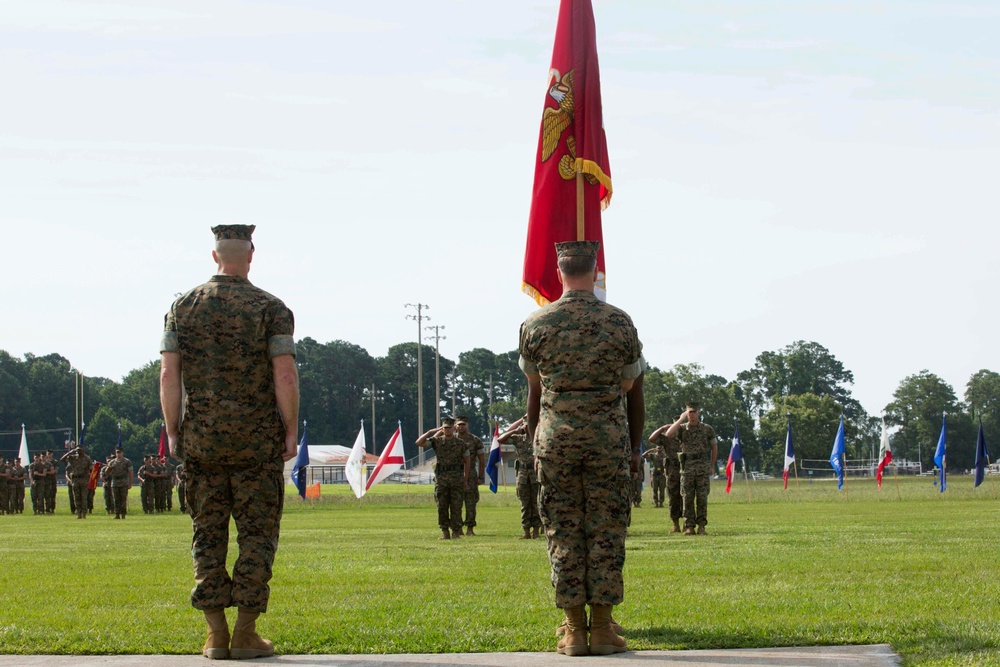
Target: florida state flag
(571,141)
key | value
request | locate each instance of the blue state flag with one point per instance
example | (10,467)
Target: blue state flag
(982,456)
(119,445)
(939,453)
(494,462)
(838,451)
(301,464)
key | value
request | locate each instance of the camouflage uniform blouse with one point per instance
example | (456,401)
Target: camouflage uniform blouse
(525,462)
(78,467)
(451,455)
(227,331)
(696,442)
(582,348)
(476,447)
(119,472)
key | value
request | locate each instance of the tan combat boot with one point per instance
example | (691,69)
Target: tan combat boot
(574,641)
(561,630)
(469,531)
(527,534)
(702,531)
(246,642)
(217,645)
(689,531)
(677,526)
(603,639)
(445,535)
(534,533)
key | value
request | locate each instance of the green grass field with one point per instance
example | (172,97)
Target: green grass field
(911,567)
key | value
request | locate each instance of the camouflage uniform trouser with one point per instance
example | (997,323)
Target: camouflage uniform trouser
(109,498)
(694,487)
(5,494)
(674,500)
(119,495)
(471,500)
(50,495)
(254,497)
(80,493)
(637,491)
(449,495)
(659,488)
(527,493)
(585,509)
(170,495)
(17,497)
(35,496)
(146,495)
(160,494)
(181,489)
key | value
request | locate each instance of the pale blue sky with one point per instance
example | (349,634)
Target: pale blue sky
(783,170)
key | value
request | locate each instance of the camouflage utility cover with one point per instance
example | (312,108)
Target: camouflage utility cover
(582,348)
(227,331)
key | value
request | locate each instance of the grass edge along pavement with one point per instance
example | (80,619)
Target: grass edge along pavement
(820,568)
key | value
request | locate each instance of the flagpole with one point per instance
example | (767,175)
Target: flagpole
(747,478)
(76,408)
(895,477)
(993,482)
(844,463)
(795,469)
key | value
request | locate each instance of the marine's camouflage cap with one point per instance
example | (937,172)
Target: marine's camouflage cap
(693,405)
(447,421)
(234,232)
(578,249)
(461,419)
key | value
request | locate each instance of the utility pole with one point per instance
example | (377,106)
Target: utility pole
(419,318)
(374,444)
(437,370)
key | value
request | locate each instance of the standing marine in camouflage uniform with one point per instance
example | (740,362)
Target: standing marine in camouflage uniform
(658,470)
(583,362)
(4,487)
(119,475)
(160,483)
(637,483)
(228,358)
(477,470)
(671,448)
(51,472)
(146,484)
(17,475)
(527,480)
(78,466)
(109,499)
(451,473)
(35,474)
(181,487)
(699,450)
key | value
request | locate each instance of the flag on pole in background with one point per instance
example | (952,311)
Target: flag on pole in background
(119,445)
(83,432)
(23,449)
(312,491)
(571,140)
(390,460)
(355,469)
(939,453)
(162,453)
(982,456)
(301,466)
(735,454)
(789,452)
(884,454)
(838,451)
(494,462)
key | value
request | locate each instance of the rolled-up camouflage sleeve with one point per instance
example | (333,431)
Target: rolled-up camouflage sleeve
(281,331)
(637,366)
(524,361)
(168,342)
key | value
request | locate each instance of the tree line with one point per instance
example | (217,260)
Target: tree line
(340,383)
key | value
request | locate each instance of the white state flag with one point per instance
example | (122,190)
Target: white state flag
(355,469)
(23,451)
(389,461)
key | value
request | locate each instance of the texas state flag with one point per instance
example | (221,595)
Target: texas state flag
(735,454)
(494,462)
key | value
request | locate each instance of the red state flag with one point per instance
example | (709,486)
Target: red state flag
(162,452)
(94,473)
(571,141)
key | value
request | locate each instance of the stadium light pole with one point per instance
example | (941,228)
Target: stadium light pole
(437,371)
(419,318)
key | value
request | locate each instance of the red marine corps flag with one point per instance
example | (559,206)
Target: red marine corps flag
(572,175)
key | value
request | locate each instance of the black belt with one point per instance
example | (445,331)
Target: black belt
(453,467)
